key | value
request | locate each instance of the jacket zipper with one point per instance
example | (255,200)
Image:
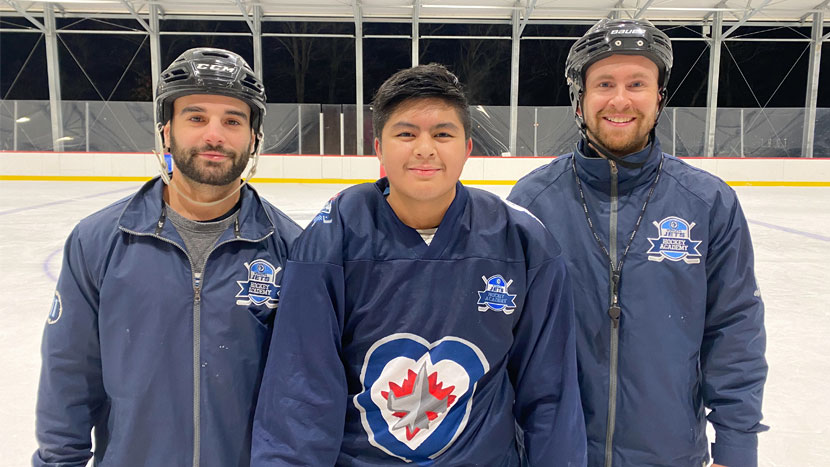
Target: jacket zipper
(615,320)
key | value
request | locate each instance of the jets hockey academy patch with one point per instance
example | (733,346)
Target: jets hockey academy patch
(57,309)
(417,395)
(674,242)
(495,297)
(261,287)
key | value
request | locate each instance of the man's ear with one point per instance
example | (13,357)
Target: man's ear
(469,149)
(378,152)
(166,135)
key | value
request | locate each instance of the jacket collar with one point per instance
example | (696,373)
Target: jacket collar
(595,170)
(143,212)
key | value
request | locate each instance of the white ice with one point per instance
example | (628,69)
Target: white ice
(790,228)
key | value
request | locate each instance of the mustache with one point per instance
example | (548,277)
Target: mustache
(212,148)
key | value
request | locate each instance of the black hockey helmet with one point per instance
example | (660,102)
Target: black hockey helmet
(205,70)
(617,37)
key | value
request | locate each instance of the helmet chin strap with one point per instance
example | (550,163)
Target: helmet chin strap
(165,173)
(604,152)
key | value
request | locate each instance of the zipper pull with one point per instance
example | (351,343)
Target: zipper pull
(197,288)
(613,167)
(614,310)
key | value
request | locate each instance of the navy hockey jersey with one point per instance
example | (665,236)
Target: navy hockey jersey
(387,350)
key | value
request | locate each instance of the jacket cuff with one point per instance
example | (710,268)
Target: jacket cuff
(734,456)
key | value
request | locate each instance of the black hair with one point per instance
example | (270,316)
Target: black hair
(420,82)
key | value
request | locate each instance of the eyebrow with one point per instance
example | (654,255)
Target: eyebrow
(197,109)
(638,74)
(448,125)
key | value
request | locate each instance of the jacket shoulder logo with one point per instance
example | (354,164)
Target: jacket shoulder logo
(261,287)
(495,297)
(57,309)
(324,215)
(674,242)
(417,395)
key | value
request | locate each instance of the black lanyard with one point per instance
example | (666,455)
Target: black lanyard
(614,308)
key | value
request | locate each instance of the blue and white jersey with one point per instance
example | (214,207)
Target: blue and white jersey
(690,333)
(390,351)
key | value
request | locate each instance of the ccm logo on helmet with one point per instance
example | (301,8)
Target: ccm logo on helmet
(626,31)
(222,68)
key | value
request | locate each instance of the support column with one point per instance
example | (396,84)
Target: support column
(155,62)
(416,14)
(257,37)
(358,51)
(54,79)
(514,83)
(808,137)
(714,76)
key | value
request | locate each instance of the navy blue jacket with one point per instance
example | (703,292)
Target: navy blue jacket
(165,367)
(691,330)
(432,354)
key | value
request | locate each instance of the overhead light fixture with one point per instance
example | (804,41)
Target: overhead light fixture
(64,138)
(23,120)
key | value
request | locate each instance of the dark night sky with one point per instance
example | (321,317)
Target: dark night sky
(321,70)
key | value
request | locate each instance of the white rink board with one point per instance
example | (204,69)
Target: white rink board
(34,164)
(790,228)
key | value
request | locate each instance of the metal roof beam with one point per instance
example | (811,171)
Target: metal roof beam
(816,9)
(135,15)
(245,15)
(616,12)
(531,4)
(749,14)
(720,5)
(26,15)
(642,10)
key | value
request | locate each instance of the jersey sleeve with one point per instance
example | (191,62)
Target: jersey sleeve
(71,400)
(542,366)
(301,409)
(732,354)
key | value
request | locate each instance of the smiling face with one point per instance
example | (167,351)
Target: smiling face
(620,102)
(423,148)
(210,138)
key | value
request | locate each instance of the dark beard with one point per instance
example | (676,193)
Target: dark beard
(208,172)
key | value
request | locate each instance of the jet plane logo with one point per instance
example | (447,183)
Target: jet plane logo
(417,395)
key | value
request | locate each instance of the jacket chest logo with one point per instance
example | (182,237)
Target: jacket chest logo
(261,287)
(495,297)
(674,242)
(417,394)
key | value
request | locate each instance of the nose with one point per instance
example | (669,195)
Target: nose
(214,133)
(424,146)
(620,100)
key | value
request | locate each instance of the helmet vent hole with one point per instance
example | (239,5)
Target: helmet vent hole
(215,54)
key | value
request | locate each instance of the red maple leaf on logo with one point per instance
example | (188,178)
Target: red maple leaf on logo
(436,389)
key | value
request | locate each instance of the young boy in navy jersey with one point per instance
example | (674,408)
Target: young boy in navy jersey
(420,320)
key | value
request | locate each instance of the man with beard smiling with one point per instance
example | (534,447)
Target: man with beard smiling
(669,317)
(161,319)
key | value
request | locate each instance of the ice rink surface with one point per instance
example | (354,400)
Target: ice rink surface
(790,229)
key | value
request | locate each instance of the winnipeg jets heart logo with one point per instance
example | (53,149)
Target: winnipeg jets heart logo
(417,395)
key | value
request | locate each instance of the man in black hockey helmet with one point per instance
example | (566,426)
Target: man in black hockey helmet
(670,321)
(159,326)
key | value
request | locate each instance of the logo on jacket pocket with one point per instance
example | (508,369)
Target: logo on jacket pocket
(417,395)
(674,242)
(261,287)
(56,310)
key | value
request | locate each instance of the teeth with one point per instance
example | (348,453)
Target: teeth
(619,119)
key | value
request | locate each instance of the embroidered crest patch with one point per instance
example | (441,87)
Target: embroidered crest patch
(674,242)
(417,394)
(495,297)
(261,287)
(324,215)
